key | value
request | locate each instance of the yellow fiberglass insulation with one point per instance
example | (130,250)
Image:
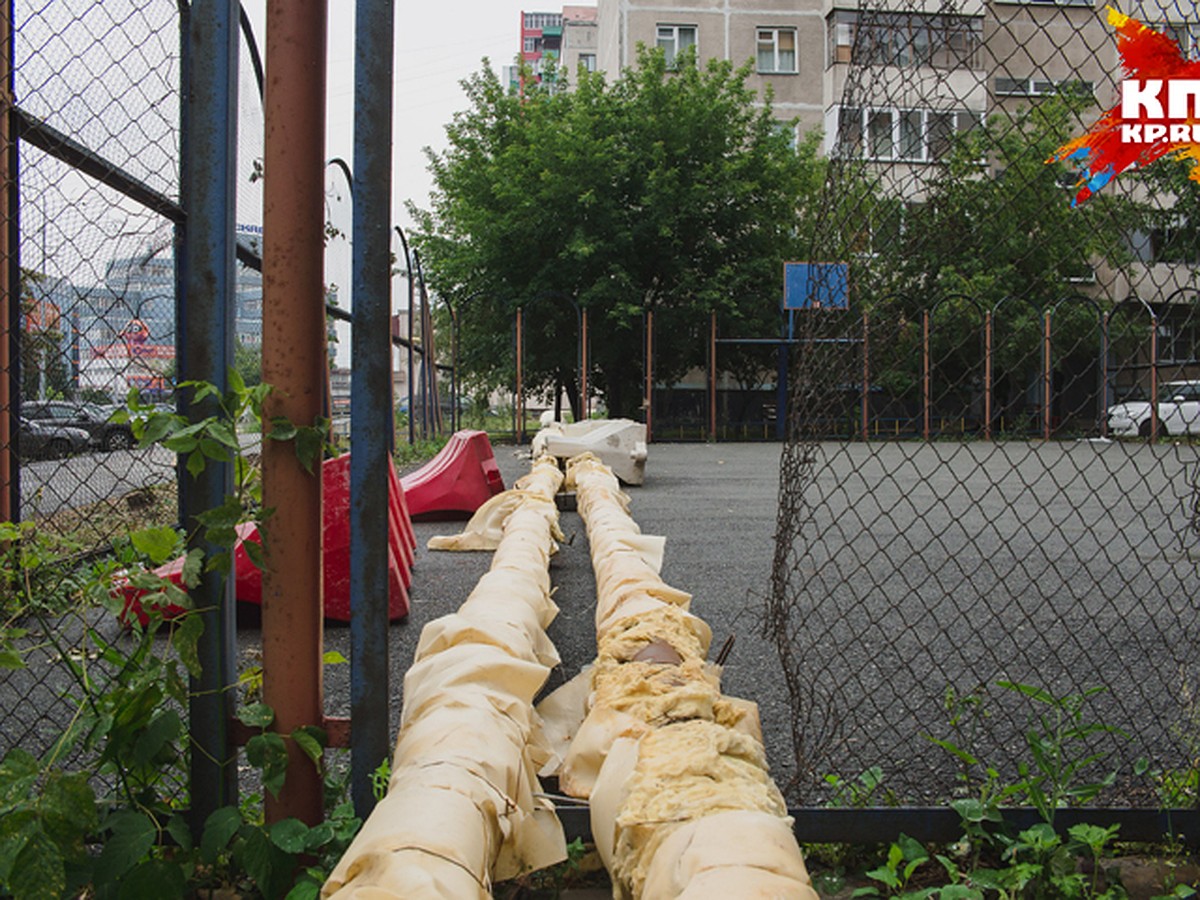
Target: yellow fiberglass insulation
(669,765)
(462,807)
(653,693)
(688,635)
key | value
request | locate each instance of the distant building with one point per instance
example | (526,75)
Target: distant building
(121,333)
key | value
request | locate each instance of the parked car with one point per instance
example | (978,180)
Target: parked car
(88,416)
(1178,412)
(46,440)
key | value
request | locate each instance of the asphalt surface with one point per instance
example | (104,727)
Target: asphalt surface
(915,567)
(919,567)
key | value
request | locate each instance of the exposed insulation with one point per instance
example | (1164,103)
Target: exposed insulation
(462,806)
(669,764)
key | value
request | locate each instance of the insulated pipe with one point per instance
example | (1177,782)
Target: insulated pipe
(675,773)
(294,362)
(461,810)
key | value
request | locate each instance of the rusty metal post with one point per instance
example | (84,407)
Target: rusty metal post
(585,402)
(10,272)
(866,380)
(294,361)
(1047,377)
(649,374)
(926,386)
(987,375)
(712,380)
(519,404)
(205,329)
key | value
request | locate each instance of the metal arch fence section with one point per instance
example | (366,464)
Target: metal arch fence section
(1056,378)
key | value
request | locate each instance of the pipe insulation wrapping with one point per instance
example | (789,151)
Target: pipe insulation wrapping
(682,804)
(461,808)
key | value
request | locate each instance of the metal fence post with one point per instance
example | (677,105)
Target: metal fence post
(1154,424)
(866,376)
(649,374)
(370,400)
(988,326)
(294,362)
(1047,377)
(925,385)
(585,400)
(10,271)
(712,378)
(519,400)
(205,336)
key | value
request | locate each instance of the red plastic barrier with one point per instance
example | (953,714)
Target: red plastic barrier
(335,494)
(456,482)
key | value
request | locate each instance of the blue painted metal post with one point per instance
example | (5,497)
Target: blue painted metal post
(205,339)
(371,397)
(10,271)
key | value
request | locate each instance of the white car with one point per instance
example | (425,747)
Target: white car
(1178,412)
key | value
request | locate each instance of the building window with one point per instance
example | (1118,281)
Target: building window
(777,50)
(672,39)
(588,61)
(536,21)
(884,38)
(530,45)
(1040,87)
(1177,344)
(907,135)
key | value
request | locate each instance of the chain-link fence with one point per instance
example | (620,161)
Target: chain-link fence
(983,514)
(95,230)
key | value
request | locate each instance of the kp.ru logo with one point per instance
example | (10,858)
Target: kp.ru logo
(1159,112)
(1174,122)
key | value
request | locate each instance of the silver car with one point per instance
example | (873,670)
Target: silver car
(45,440)
(1178,412)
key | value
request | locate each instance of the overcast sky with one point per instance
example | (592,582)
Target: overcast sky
(438,43)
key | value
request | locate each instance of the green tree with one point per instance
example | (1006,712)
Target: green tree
(997,226)
(669,191)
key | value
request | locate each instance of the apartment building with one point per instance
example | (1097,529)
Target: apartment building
(786,38)
(891,81)
(568,38)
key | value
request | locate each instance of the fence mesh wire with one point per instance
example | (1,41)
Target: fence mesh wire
(97,113)
(975,489)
